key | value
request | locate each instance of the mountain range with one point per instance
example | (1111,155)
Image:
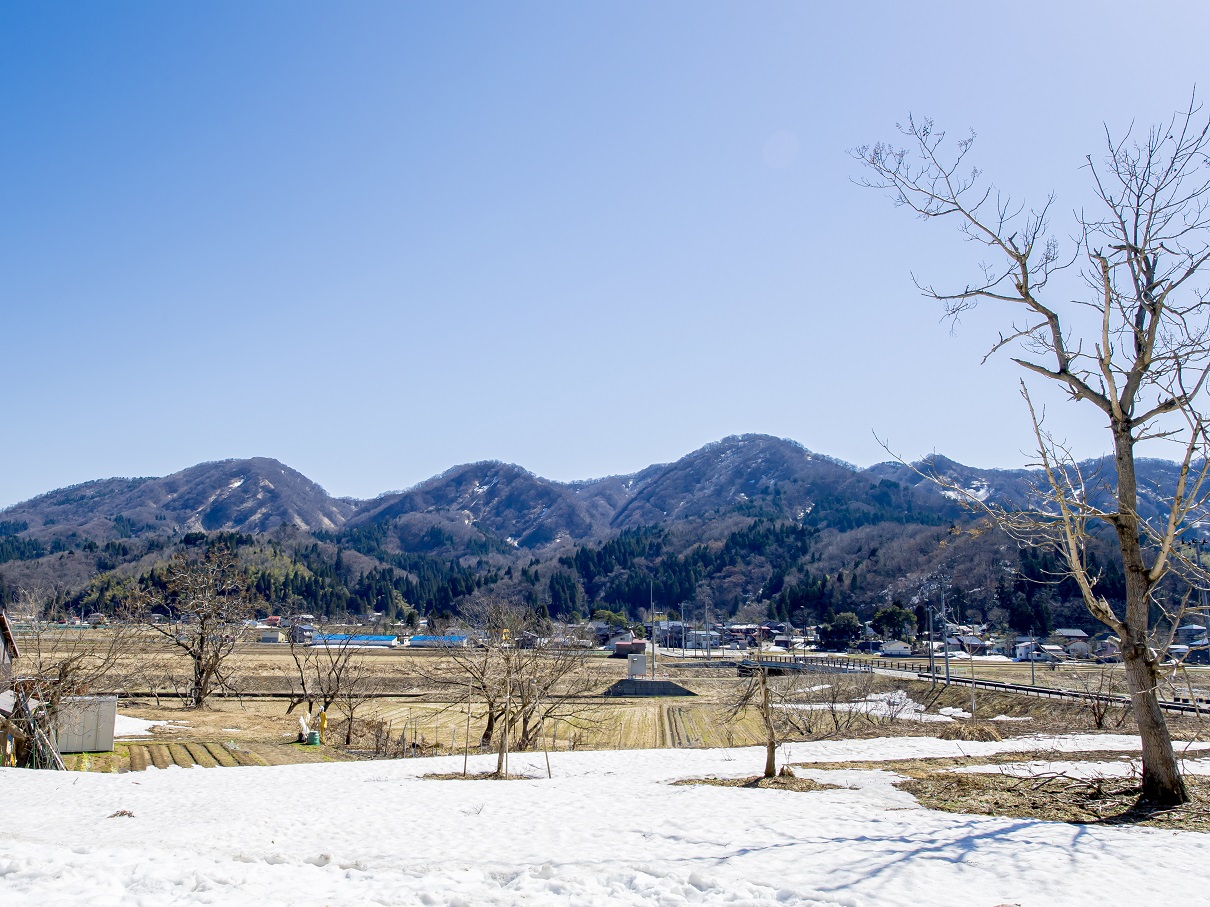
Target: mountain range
(490,499)
(750,516)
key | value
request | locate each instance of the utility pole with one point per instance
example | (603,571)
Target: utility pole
(945,633)
(1033,644)
(1201,594)
(651,611)
(932,651)
(970,656)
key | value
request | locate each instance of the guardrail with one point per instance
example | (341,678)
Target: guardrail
(811,662)
(1185,707)
(1180,706)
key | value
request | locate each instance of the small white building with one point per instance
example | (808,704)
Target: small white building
(85,724)
(895,649)
(1078,648)
(1029,650)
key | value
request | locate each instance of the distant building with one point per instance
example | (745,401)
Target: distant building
(1029,650)
(972,645)
(439,642)
(301,633)
(1191,634)
(626,647)
(358,641)
(1107,650)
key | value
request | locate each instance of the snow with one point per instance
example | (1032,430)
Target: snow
(125,726)
(896,704)
(607,830)
(1121,769)
(950,712)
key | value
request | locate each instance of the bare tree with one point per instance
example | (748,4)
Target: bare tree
(209,597)
(357,685)
(1134,345)
(59,662)
(779,700)
(523,674)
(326,667)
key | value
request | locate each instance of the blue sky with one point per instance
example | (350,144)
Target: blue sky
(377,240)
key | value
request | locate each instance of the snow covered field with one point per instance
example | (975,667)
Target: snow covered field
(607,830)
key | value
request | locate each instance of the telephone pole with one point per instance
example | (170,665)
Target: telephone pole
(945,633)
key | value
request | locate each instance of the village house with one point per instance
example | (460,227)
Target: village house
(1106,649)
(1191,635)
(1074,643)
(970,644)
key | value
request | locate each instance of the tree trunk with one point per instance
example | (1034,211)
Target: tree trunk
(199,686)
(502,752)
(1162,782)
(766,714)
(489,730)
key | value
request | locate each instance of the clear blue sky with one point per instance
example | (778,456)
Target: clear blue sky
(377,240)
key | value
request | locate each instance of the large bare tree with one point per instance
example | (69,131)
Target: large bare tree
(208,597)
(1134,344)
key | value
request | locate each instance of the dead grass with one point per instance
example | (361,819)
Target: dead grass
(968,730)
(1058,798)
(779,782)
(477,776)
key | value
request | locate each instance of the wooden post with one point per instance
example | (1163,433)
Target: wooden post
(545,749)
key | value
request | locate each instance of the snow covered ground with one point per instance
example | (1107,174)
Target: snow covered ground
(1122,768)
(896,704)
(124,726)
(607,830)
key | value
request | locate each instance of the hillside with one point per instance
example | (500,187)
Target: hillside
(232,495)
(760,525)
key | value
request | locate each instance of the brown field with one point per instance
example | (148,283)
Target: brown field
(415,718)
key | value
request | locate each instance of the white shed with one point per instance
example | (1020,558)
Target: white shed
(86,724)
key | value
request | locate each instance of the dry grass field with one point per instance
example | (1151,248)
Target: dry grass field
(411,716)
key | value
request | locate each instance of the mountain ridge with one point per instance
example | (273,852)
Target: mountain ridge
(755,521)
(492,504)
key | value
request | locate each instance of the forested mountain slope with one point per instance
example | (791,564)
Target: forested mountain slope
(752,524)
